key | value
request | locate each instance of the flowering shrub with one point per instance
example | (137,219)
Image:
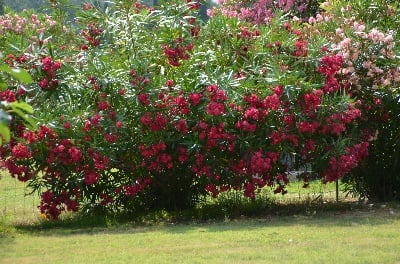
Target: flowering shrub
(12,112)
(368,47)
(151,108)
(262,11)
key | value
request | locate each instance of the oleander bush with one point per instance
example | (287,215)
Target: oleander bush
(140,108)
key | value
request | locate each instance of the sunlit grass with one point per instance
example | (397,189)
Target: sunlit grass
(361,236)
(303,226)
(16,205)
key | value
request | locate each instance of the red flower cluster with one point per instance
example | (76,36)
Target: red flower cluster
(199,168)
(271,102)
(139,6)
(193,4)
(49,67)
(278,136)
(52,205)
(330,66)
(144,99)
(211,188)
(336,123)
(177,52)
(138,81)
(308,127)
(307,149)
(181,126)
(65,153)
(258,169)
(256,110)
(246,126)
(179,105)
(301,48)
(195,98)
(94,83)
(216,106)
(91,35)
(100,162)
(259,164)
(91,176)
(138,187)
(245,33)
(12,59)
(22,172)
(156,123)
(216,136)
(20,151)
(310,102)
(155,157)
(183,154)
(345,163)
(7,96)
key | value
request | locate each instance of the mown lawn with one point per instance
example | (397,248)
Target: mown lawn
(362,236)
(328,233)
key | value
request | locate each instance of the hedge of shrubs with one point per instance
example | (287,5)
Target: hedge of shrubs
(138,107)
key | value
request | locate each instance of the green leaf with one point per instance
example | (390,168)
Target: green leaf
(23,110)
(3,86)
(19,74)
(23,106)
(4,132)
(28,121)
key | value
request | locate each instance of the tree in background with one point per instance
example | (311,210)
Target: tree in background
(24,4)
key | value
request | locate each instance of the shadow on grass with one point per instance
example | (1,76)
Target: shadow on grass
(6,235)
(220,217)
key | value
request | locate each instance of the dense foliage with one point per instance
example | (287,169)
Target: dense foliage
(152,108)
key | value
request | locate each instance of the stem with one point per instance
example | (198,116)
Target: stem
(337,191)
(130,39)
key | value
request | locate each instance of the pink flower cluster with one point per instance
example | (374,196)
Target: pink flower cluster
(258,11)
(20,25)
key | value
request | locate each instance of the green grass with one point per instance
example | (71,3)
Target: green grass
(15,204)
(306,226)
(362,236)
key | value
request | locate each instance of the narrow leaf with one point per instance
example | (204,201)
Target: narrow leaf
(23,106)
(4,133)
(19,74)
